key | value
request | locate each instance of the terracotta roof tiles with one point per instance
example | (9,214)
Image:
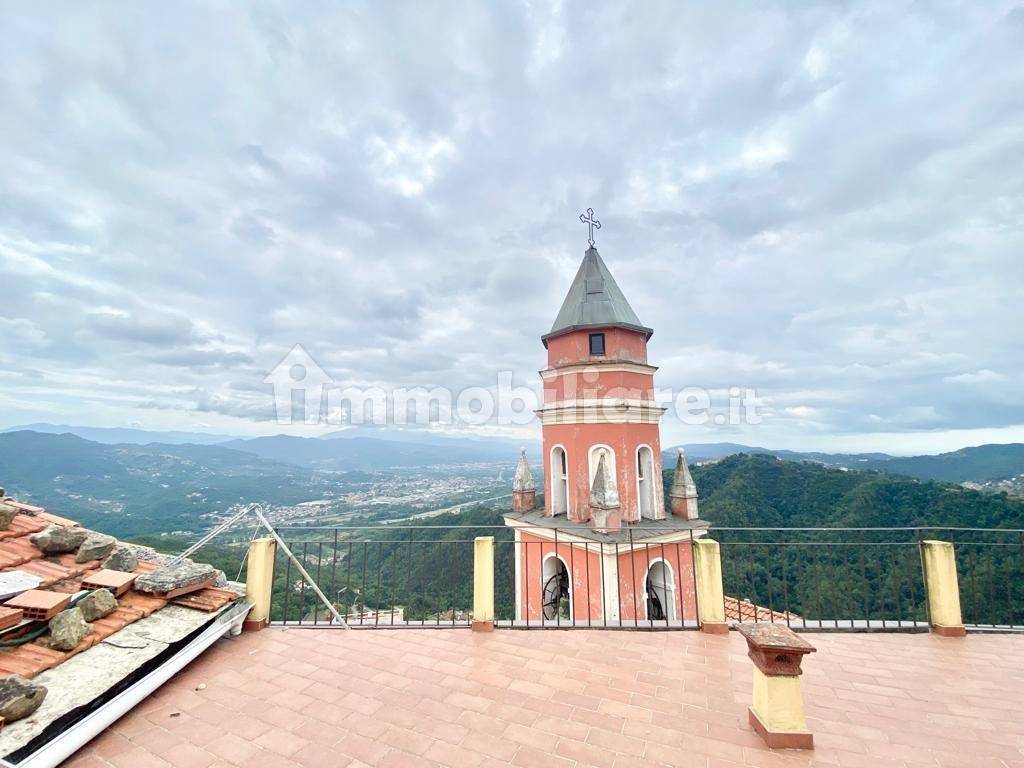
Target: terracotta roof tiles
(744,610)
(22,525)
(60,578)
(209,600)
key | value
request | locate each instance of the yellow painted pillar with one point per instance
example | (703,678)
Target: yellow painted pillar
(707,563)
(483,584)
(778,702)
(777,709)
(943,588)
(259,582)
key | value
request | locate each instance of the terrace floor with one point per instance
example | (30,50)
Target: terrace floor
(319,698)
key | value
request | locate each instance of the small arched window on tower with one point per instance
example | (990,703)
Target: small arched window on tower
(559,481)
(645,481)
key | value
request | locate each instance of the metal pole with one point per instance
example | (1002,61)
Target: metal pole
(258,511)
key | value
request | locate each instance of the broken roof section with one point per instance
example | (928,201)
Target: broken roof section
(595,301)
(57,575)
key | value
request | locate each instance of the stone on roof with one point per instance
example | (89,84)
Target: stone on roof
(595,301)
(123,558)
(68,628)
(57,540)
(173,577)
(96,546)
(523,480)
(97,604)
(19,698)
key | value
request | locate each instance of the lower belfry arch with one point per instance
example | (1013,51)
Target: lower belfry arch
(556,590)
(660,591)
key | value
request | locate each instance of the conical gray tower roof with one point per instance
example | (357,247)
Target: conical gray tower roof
(594,301)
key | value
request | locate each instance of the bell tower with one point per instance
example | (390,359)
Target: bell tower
(604,547)
(599,408)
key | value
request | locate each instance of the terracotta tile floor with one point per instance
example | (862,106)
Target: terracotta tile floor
(312,698)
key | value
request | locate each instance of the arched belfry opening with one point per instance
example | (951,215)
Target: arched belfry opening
(556,590)
(660,589)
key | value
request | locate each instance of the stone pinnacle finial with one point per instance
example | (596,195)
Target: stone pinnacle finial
(682,480)
(602,492)
(523,479)
(683,493)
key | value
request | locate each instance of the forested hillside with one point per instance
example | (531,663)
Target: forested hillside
(979,464)
(857,573)
(758,490)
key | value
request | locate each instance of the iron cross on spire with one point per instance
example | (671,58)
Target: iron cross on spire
(591,222)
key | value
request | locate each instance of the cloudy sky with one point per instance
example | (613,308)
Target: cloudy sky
(823,202)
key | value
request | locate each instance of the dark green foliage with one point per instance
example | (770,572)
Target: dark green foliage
(856,574)
(978,464)
(758,490)
(426,568)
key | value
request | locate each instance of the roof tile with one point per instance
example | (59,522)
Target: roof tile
(55,519)
(22,525)
(209,600)
(50,572)
(10,617)
(143,603)
(30,509)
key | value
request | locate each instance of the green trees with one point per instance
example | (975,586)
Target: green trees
(857,573)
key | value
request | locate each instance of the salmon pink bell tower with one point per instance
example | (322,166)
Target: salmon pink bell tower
(604,546)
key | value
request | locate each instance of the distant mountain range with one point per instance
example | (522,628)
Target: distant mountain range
(698,452)
(118,435)
(423,436)
(371,453)
(370,448)
(979,464)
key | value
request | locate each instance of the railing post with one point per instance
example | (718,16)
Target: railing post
(940,580)
(707,565)
(259,583)
(483,584)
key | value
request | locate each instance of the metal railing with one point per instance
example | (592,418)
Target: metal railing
(845,579)
(990,571)
(568,581)
(822,579)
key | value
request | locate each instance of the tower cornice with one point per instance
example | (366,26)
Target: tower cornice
(610,366)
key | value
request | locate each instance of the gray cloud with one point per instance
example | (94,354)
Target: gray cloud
(821,201)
